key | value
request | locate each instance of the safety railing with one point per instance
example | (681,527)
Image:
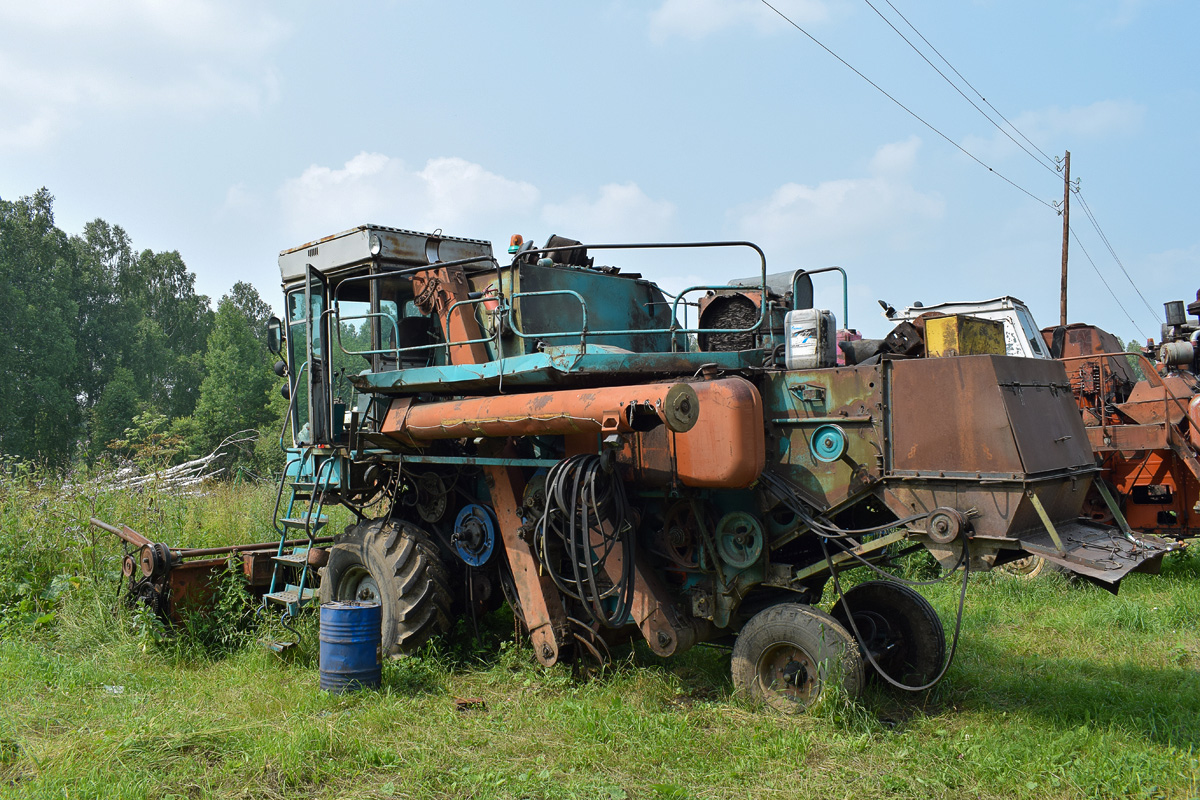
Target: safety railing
(397,351)
(582,333)
(675,329)
(845,289)
(507,307)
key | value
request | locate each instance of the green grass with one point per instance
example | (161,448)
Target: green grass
(1058,691)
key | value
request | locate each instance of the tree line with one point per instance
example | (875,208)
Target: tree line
(106,350)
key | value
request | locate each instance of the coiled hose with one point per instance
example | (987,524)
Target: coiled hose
(587,514)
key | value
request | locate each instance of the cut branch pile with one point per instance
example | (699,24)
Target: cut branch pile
(187,478)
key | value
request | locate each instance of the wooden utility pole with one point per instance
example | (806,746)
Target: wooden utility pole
(1066,214)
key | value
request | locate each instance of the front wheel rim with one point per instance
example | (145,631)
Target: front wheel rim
(357,586)
(787,671)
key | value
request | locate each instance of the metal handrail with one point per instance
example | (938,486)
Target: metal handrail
(582,333)
(845,290)
(674,328)
(339,319)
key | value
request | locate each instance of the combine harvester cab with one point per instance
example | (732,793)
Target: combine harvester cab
(560,433)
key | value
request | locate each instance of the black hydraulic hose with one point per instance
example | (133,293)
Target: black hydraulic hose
(582,497)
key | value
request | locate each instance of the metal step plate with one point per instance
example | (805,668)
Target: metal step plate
(1099,552)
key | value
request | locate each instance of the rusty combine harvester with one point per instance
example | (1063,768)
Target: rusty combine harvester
(1144,429)
(555,432)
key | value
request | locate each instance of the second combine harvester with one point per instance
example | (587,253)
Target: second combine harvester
(557,433)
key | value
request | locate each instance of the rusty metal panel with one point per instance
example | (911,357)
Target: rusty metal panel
(1149,404)
(966,428)
(1085,340)
(258,567)
(191,585)
(396,246)
(801,402)
(1042,412)
(1129,437)
(726,448)
(1003,510)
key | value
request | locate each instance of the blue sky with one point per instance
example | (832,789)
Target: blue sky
(232,130)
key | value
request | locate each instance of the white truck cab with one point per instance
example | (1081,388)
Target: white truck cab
(1022,337)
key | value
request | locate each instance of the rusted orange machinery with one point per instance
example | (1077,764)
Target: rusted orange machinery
(1143,424)
(557,433)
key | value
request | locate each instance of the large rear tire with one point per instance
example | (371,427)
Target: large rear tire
(395,564)
(789,654)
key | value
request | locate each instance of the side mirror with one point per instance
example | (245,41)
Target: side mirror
(274,335)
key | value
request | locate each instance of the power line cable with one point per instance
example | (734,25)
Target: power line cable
(1055,169)
(967,153)
(911,113)
(1106,286)
(1096,224)
(954,86)
(1049,160)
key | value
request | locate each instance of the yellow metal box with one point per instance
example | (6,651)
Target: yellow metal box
(962,335)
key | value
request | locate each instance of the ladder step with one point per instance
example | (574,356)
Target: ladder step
(289,597)
(292,559)
(302,522)
(280,648)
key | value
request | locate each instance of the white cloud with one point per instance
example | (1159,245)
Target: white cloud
(240,199)
(845,215)
(1126,12)
(896,158)
(448,193)
(198,26)
(461,198)
(696,19)
(30,132)
(1046,127)
(87,58)
(622,212)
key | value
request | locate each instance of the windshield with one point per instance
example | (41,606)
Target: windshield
(1032,335)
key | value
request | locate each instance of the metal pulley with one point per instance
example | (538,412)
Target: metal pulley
(828,443)
(945,524)
(154,559)
(432,499)
(474,536)
(739,539)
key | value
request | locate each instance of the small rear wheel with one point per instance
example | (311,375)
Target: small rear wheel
(1027,568)
(898,627)
(790,654)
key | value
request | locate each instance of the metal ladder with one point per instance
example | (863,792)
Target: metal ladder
(290,575)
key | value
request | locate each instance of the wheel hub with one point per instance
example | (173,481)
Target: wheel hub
(788,671)
(359,587)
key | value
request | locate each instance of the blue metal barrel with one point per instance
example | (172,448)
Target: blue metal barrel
(350,646)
